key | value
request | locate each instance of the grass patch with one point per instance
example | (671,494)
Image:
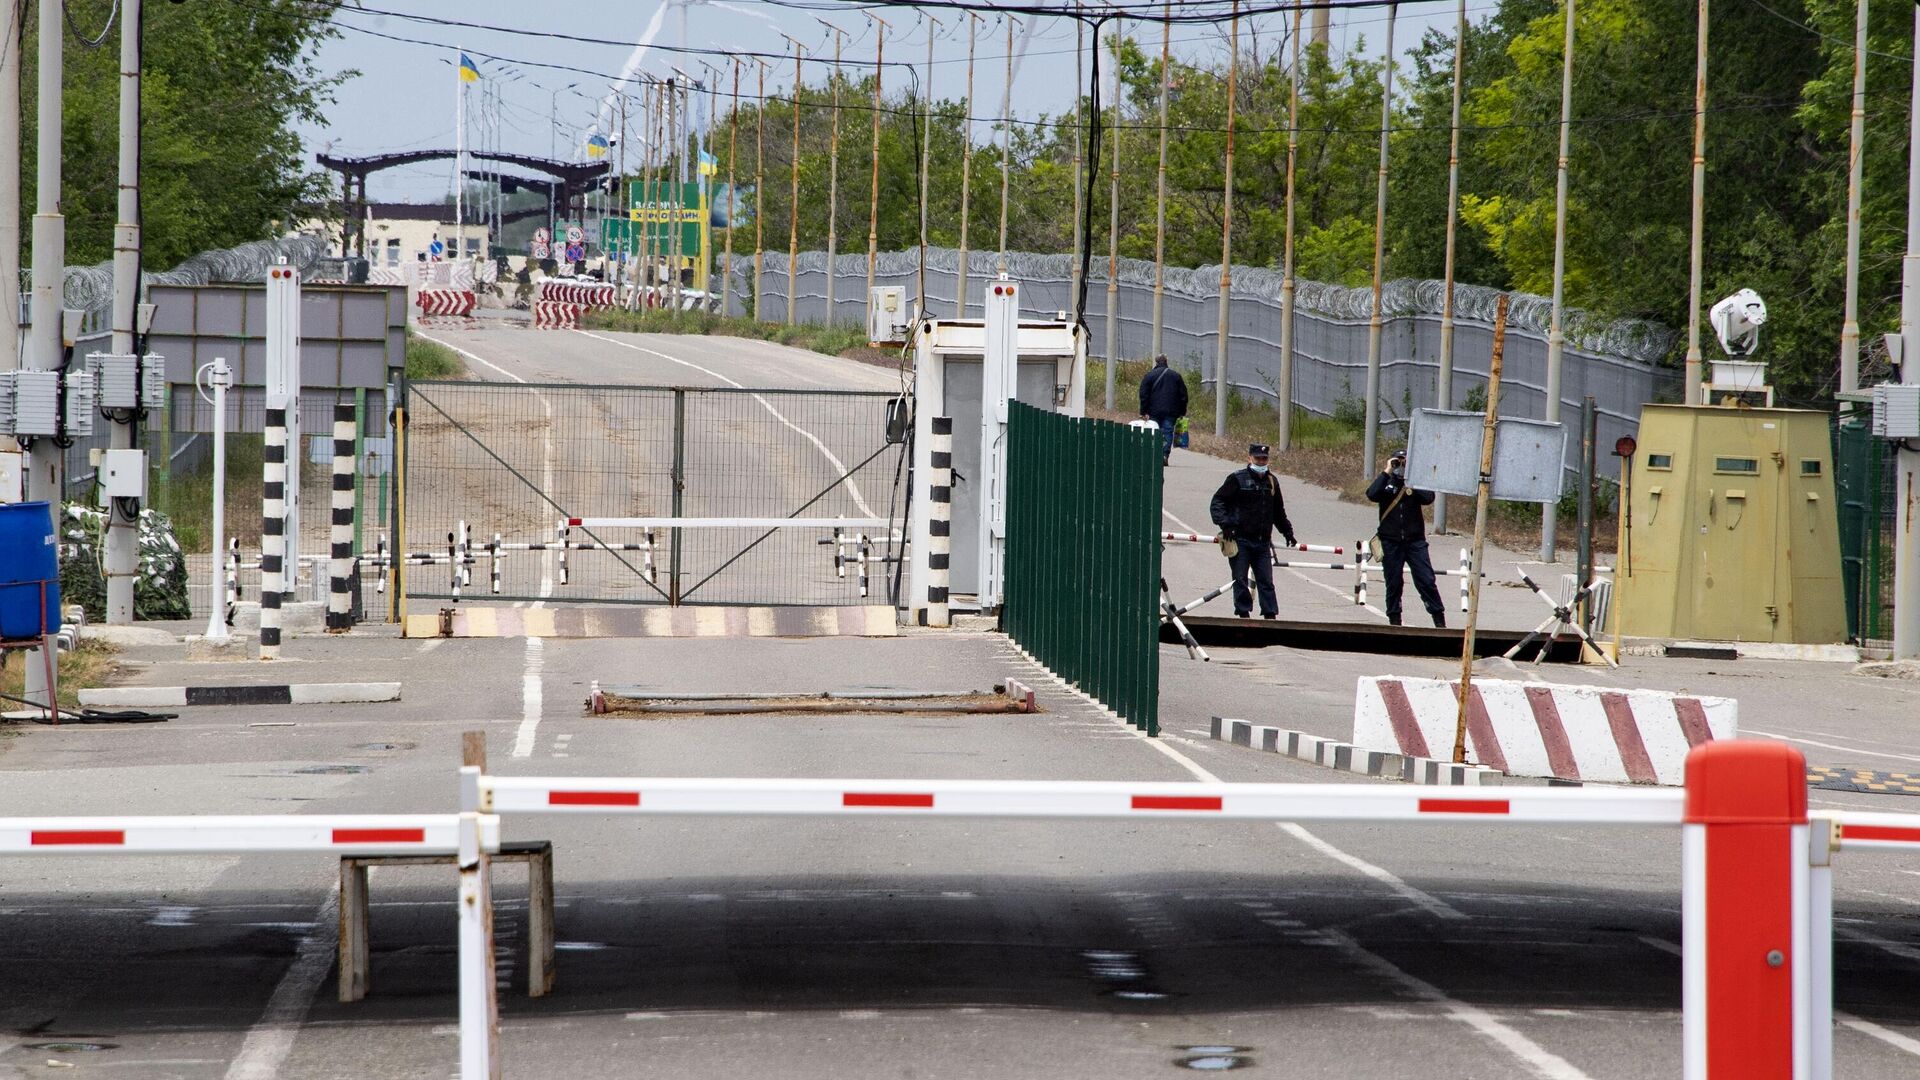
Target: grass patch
(86,667)
(839,340)
(432,360)
(187,497)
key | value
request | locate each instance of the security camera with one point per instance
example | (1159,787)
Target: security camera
(1737,321)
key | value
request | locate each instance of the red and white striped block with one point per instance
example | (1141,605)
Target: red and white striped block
(445,301)
(591,294)
(1073,799)
(1587,733)
(361,834)
(555,315)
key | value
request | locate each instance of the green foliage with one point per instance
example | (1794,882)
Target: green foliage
(160,590)
(432,360)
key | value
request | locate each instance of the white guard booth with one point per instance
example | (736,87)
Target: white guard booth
(968,369)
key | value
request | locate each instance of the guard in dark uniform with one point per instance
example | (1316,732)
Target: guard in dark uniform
(1247,509)
(1403,539)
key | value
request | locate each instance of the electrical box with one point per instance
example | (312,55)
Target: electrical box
(1732,532)
(123,474)
(36,402)
(1896,410)
(887,316)
(81,403)
(116,380)
(6,407)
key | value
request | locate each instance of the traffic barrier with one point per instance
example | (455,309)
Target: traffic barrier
(214,834)
(554,315)
(173,697)
(1532,729)
(939,526)
(585,294)
(340,583)
(445,301)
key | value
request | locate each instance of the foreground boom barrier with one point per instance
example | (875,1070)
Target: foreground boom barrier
(358,834)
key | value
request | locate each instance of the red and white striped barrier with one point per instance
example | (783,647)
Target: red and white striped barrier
(1203,538)
(445,301)
(589,294)
(356,834)
(724,523)
(1536,729)
(554,315)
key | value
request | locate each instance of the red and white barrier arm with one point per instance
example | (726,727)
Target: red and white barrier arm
(1875,832)
(1082,799)
(1202,538)
(362,834)
(724,523)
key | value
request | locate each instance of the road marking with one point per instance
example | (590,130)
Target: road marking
(1424,900)
(530,701)
(270,1040)
(1539,1059)
(1891,1038)
(839,467)
(1828,746)
(431,644)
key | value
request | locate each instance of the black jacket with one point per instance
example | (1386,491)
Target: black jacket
(1405,524)
(1248,507)
(1163,393)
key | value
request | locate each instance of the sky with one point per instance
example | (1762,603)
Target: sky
(404,95)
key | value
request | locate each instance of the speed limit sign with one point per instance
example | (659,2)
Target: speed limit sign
(541,235)
(541,249)
(576,235)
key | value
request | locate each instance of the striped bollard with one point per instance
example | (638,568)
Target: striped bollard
(1466,572)
(273,529)
(233,579)
(1361,553)
(381,560)
(939,525)
(453,566)
(493,570)
(1746,931)
(564,533)
(864,549)
(340,593)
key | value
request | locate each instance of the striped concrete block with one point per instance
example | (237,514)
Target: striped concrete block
(1543,729)
(173,697)
(1346,757)
(661,622)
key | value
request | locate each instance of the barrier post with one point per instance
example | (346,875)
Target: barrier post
(1823,840)
(939,524)
(479,1000)
(339,595)
(1746,968)
(274,548)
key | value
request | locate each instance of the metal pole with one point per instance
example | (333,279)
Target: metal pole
(1006,145)
(1480,527)
(1283,438)
(42,474)
(966,170)
(219,377)
(1443,384)
(1368,462)
(123,540)
(1113,232)
(1079,156)
(759,184)
(1856,146)
(1692,387)
(650,198)
(1556,329)
(1906,492)
(676,170)
(926,161)
(1160,191)
(833,180)
(10,158)
(733,153)
(1583,565)
(793,196)
(873,197)
(1226,238)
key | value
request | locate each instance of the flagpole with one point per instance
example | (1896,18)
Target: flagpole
(459,152)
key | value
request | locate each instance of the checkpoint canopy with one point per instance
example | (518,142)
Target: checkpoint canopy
(968,369)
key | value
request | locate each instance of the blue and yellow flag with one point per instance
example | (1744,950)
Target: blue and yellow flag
(469,72)
(597,146)
(708,165)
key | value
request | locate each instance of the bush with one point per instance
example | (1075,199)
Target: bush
(432,360)
(160,590)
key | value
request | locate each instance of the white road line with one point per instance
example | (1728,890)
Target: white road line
(1891,1038)
(839,467)
(270,1040)
(1538,1059)
(1828,746)
(530,701)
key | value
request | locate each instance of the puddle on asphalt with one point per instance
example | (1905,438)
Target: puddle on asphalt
(1213,1062)
(385,746)
(329,770)
(580,946)
(70,1047)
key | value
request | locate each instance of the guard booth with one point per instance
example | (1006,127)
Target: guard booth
(968,369)
(1734,532)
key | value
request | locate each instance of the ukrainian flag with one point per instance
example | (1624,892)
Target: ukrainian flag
(708,165)
(597,146)
(469,72)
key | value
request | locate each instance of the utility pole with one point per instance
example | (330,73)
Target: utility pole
(1856,140)
(793,195)
(1113,231)
(1443,385)
(833,175)
(10,69)
(759,183)
(1160,188)
(1906,552)
(1006,144)
(926,161)
(1693,370)
(123,536)
(873,199)
(733,217)
(1369,463)
(1079,141)
(1283,435)
(45,347)
(966,172)
(1220,383)
(1556,330)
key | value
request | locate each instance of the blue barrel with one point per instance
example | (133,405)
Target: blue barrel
(29,556)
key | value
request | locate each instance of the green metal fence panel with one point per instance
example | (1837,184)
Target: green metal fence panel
(1083,556)
(1863,476)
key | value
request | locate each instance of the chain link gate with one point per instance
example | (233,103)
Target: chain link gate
(650,494)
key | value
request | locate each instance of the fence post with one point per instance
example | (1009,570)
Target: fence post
(680,472)
(342,526)
(273,526)
(479,1000)
(1746,928)
(940,520)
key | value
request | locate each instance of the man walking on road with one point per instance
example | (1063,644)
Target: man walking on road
(1247,509)
(1163,399)
(1403,539)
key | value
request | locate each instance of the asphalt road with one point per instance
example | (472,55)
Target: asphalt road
(811,948)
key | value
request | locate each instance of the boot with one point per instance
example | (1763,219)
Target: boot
(1393,620)
(1440,619)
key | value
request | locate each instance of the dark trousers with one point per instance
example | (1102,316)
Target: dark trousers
(1166,434)
(1413,555)
(1259,559)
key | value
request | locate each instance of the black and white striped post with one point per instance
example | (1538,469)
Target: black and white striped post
(939,524)
(493,568)
(273,531)
(233,580)
(340,593)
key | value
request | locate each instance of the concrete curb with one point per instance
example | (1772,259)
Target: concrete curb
(146,697)
(1347,757)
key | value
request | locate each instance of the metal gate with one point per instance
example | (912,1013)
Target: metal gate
(650,494)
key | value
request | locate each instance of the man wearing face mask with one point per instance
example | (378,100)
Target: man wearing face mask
(1403,539)
(1247,509)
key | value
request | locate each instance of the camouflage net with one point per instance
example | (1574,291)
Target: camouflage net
(160,590)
